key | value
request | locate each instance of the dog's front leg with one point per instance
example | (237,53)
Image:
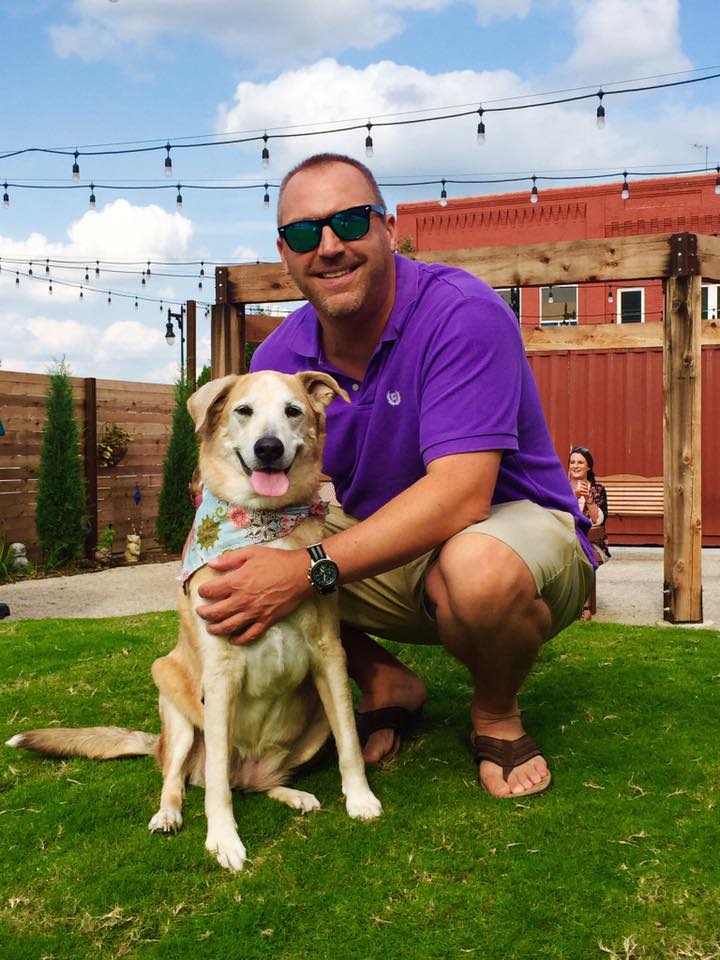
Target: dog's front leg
(331,679)
(220,684)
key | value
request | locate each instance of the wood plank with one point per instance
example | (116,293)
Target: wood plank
(708,249)
(607,336)
(682,451)
(259,283)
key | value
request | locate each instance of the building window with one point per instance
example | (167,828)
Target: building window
(511,296)
(710,301)
(631,305)
(558,306)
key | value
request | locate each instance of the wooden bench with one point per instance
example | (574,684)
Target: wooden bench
(628,495)
(633,496)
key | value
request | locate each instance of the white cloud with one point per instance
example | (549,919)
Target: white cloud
(272,32)
(612,34)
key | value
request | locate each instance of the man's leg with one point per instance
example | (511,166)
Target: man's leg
(383,681)
(494,623)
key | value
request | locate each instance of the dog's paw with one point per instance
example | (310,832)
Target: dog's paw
(297,799)
(229,851)
(166,821)
(363,806)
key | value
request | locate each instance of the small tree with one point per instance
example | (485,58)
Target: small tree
(60,515)
(175,511)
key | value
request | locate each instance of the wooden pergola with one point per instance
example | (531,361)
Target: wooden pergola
(680,260)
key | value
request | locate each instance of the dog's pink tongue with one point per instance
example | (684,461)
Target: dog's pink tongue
(269,483)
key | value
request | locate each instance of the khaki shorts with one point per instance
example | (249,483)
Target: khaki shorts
(392,606)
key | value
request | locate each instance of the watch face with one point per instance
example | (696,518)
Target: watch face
(324,573)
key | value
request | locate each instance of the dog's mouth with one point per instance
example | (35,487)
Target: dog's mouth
(268,482)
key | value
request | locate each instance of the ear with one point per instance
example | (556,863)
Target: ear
(208,397)
(321,387)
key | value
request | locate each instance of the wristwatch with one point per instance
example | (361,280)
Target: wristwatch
(323,573)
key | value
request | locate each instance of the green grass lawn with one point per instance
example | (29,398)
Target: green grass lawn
(621,859)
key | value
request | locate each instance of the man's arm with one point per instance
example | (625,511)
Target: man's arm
(261,585)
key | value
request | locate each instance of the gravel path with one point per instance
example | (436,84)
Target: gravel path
(629,590)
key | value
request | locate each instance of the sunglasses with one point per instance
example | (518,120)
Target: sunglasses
(351,224)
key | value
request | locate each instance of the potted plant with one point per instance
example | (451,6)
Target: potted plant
(103,551)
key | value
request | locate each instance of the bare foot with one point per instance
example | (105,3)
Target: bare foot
(523,778)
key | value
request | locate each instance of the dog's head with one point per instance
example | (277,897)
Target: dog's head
(261,436)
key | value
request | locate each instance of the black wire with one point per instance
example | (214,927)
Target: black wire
(355,126)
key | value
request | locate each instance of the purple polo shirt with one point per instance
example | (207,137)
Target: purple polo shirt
(449,376)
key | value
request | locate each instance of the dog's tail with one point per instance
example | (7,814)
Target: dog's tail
(97,743)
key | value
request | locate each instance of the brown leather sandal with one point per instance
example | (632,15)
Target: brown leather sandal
(398,719)
(508,754)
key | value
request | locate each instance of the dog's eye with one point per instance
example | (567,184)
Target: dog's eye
(291,411)
(244,411)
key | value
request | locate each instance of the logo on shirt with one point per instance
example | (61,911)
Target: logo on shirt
(393,397)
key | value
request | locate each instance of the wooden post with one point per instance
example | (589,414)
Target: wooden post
(191,342)
(227,339)
(90,458)
(682,435)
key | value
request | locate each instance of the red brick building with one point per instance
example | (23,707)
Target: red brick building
(658,205)
(608,399)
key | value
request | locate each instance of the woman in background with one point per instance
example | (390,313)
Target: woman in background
(592,500)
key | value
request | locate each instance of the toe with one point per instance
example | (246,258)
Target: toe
(378,746)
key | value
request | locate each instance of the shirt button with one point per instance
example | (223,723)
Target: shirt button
(356,387)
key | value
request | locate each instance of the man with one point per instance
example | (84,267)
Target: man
(460,526)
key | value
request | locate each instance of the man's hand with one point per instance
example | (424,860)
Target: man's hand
(258,587)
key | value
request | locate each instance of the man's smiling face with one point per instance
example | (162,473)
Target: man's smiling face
(341,278)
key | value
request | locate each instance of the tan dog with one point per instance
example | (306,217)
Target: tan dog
(257,710)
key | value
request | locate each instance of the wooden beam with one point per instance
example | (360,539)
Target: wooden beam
(227,339)
(708,249)
(191,341)
(607,336)
(90,458)
(256,283)
(682,451)
(601,260)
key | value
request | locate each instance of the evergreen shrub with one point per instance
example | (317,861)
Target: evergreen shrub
(60,513)
(175,510)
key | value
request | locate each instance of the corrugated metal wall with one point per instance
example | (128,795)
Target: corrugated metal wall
(611,401)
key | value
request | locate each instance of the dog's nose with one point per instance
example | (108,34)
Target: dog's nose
(268,449)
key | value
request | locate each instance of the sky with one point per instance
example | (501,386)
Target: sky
(112,75)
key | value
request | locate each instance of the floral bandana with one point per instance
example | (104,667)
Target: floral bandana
(219,527)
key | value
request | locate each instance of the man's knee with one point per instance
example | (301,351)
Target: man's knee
(479,580)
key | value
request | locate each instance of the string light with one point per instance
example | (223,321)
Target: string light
(17,278)
(47,266)
(81,293)
(481,127)
(30,273)
(266,197)
(551,298)
(109,297)
(76,167)
(92,196)
(148,269)
(6,196)
(534,191)
(625,192)
(87,274)
(443,194)
(369,151)
(97,268)
(178,199)
(600,114)
(168,161)
(610,294)
(265,156)
(136,303)
(50,287)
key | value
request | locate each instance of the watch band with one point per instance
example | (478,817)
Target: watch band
(316,552)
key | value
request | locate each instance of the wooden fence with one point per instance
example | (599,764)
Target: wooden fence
(144,410)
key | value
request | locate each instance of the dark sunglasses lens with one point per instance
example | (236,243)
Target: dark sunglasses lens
(302,236)
(351,224)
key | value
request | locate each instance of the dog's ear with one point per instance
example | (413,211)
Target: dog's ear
(321,387)
(208,399)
